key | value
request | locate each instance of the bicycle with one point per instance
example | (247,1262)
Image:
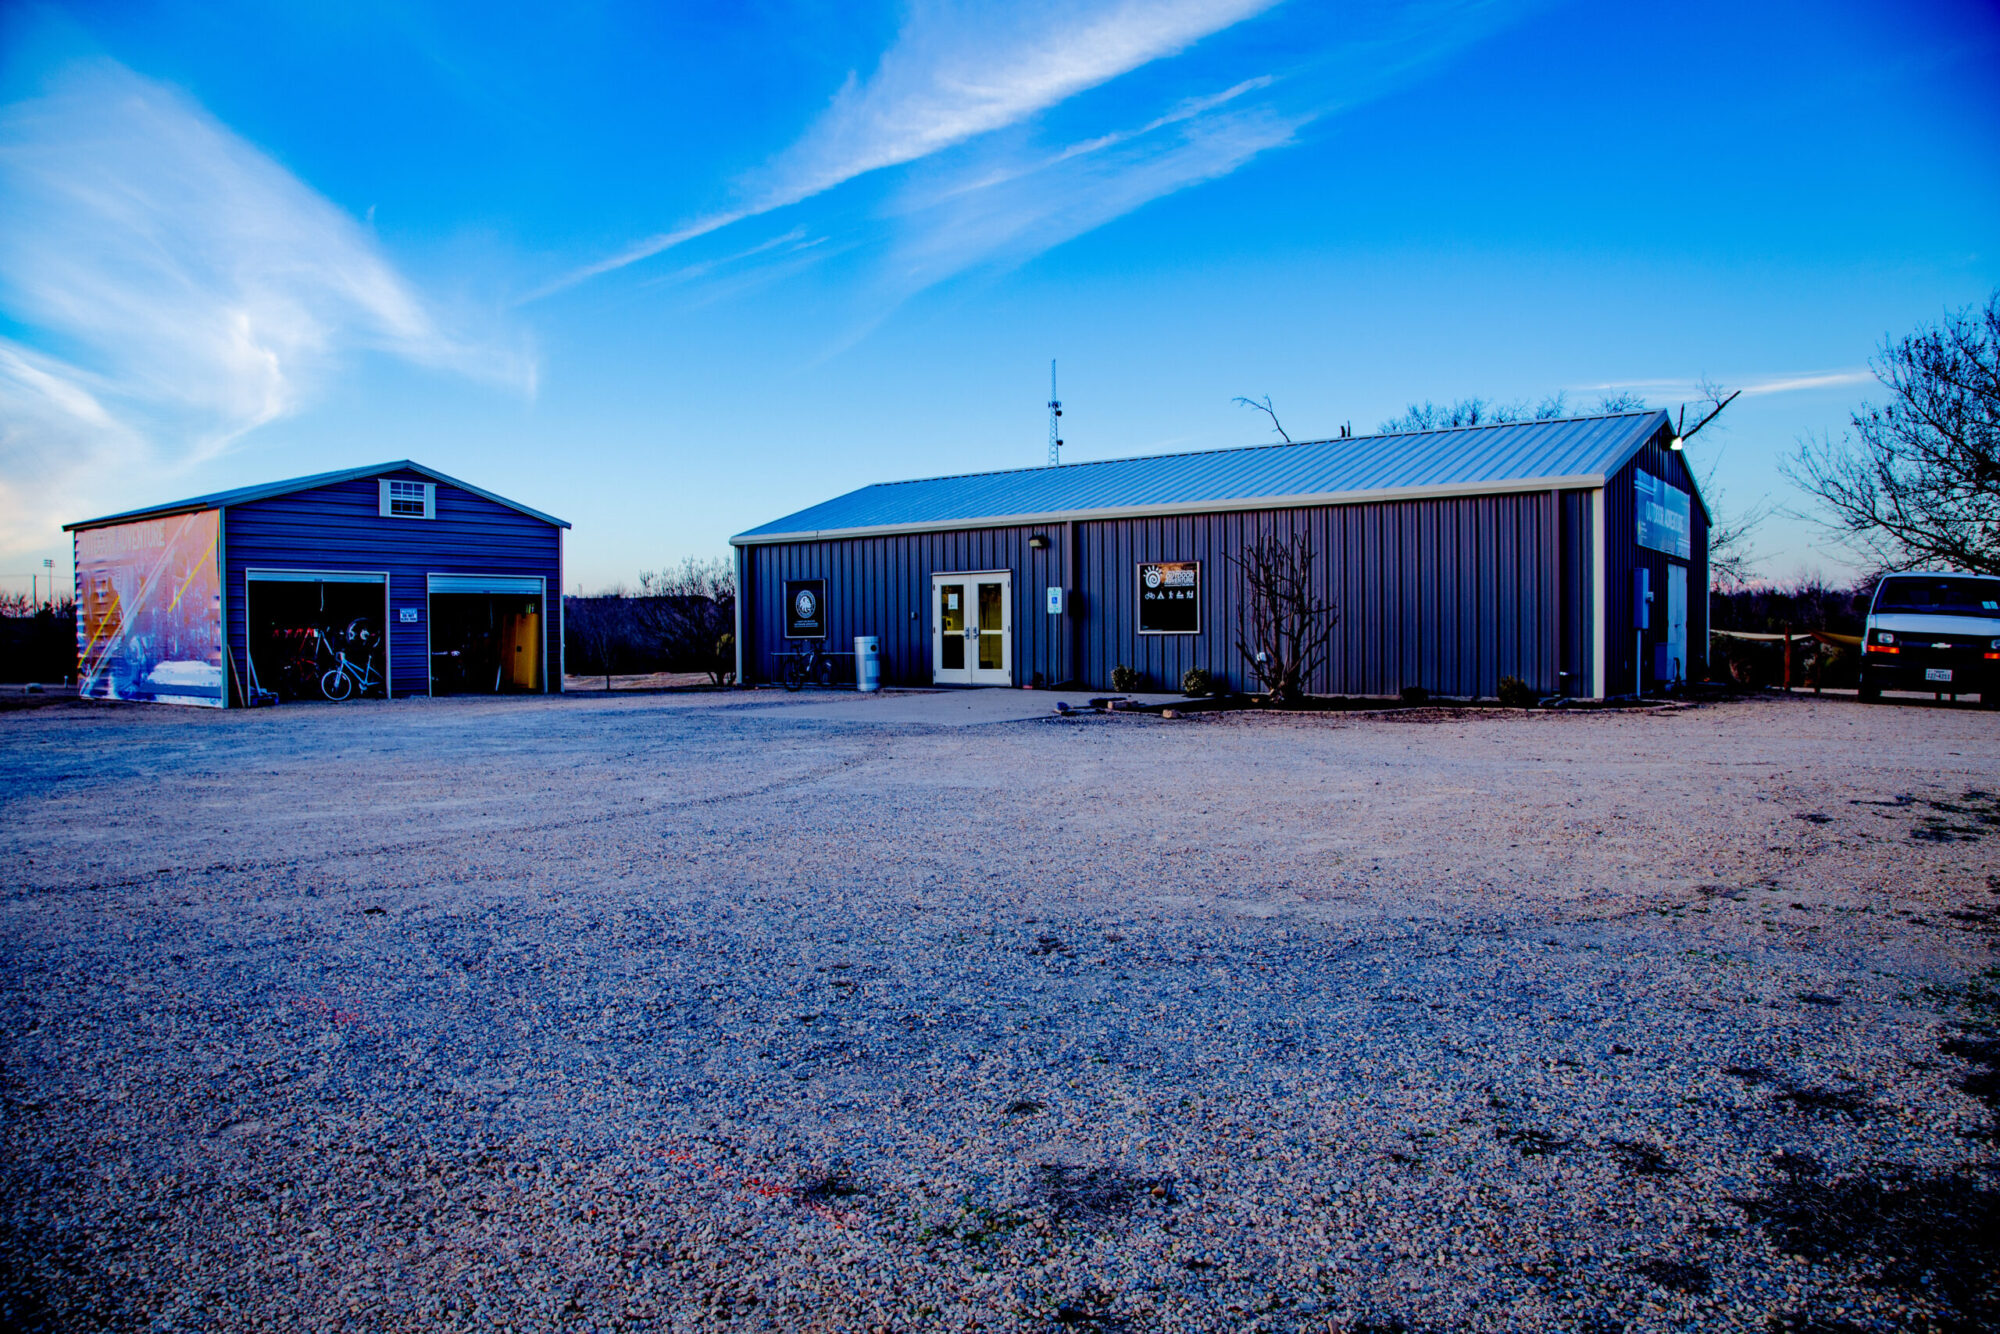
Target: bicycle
(340,682)
(811,664)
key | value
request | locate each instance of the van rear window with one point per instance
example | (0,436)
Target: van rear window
(1940,597)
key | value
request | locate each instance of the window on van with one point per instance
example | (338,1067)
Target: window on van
(1935,596)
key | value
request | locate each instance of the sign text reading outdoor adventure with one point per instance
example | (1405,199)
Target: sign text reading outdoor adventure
(1170,598)
(805,609)
(1663,514)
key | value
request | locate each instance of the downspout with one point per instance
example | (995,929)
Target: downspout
(562,618)
(742,594)
(1600,628)
(229,679)
(1073,590)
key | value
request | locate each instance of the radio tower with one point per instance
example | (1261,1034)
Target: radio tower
(1055,422)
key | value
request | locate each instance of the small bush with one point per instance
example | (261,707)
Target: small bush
(1416,695)
(1197,682)
(1126,678)
(1517,694)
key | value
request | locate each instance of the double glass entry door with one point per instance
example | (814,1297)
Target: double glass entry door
(972,622)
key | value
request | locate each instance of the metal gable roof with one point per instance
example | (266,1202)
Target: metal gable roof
(1470,460)
(243,495)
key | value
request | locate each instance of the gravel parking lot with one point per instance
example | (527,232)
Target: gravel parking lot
(763,1011)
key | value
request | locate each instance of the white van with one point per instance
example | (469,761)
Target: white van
(1937,632)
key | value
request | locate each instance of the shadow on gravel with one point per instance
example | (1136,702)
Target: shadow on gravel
(1094,1196)
(1680,1275)
(1642,1159)
(1804,1097)
(1930,1237)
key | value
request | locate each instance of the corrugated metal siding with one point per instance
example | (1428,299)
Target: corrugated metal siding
(1448,594)
(1579,555)
(339,527)
(1623,555)
(1478,456)
(882,586)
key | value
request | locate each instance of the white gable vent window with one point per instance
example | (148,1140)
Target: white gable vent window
(409,500)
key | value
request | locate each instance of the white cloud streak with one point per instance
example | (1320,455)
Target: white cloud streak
(1753,386)
(957,71)
(196,289)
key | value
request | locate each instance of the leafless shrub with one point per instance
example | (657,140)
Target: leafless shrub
(684,614)
(1284,624)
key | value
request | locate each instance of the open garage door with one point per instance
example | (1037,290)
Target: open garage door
(318,634)
(487,634)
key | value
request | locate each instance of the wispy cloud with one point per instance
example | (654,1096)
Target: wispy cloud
(1791,384)
(1031,205)
(183,288)
(1752,386)
(955,72)
(1007,198)
(958,71)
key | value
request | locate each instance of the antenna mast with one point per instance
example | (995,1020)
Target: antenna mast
(1055,425)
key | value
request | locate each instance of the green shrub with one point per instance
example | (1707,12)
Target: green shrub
(1197,682)
(1126,678)
(1517,694)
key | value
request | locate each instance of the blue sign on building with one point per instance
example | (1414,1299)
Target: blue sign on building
(1663,514)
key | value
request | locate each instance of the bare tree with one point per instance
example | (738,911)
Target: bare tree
(1429,416)
(1263,405)
(1919,482)
(600,626)
(687,611)
(1284,625)
(1731,557)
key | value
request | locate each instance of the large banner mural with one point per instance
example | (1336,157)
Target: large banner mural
(149,611)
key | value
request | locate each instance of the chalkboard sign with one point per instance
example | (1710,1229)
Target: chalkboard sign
(805,609)
(1170,598)
(1664,515)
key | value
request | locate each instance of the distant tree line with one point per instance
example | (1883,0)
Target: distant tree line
(679,620)
(1794,608)
(37,639)
(1429,416)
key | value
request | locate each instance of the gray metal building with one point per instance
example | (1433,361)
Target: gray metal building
(1571,553)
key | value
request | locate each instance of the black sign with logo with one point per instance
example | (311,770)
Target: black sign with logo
(1170,598)
(805,609)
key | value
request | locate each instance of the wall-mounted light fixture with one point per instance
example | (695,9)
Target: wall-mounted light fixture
(1038,542)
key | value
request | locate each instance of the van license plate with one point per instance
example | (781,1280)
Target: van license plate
(1937,673)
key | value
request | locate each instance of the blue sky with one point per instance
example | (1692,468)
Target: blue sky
(671,271)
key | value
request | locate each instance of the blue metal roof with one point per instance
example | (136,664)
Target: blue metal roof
(243,495)
(1470,460)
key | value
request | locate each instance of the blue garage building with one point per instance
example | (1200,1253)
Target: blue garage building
(1572,554)
(394,580)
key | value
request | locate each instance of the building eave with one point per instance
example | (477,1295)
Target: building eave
(1235,505)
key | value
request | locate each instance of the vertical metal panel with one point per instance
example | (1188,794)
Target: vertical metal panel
(1623,555)
(1575,590)
(340,527)
(1449,594)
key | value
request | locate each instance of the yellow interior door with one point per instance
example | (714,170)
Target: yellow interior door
(520,647)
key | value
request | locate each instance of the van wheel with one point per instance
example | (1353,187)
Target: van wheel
(1868,690)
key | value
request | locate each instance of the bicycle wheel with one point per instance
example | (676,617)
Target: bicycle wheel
(825,673)
(795,672)
(336,685)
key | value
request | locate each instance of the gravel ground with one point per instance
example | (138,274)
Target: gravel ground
(720,1010)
